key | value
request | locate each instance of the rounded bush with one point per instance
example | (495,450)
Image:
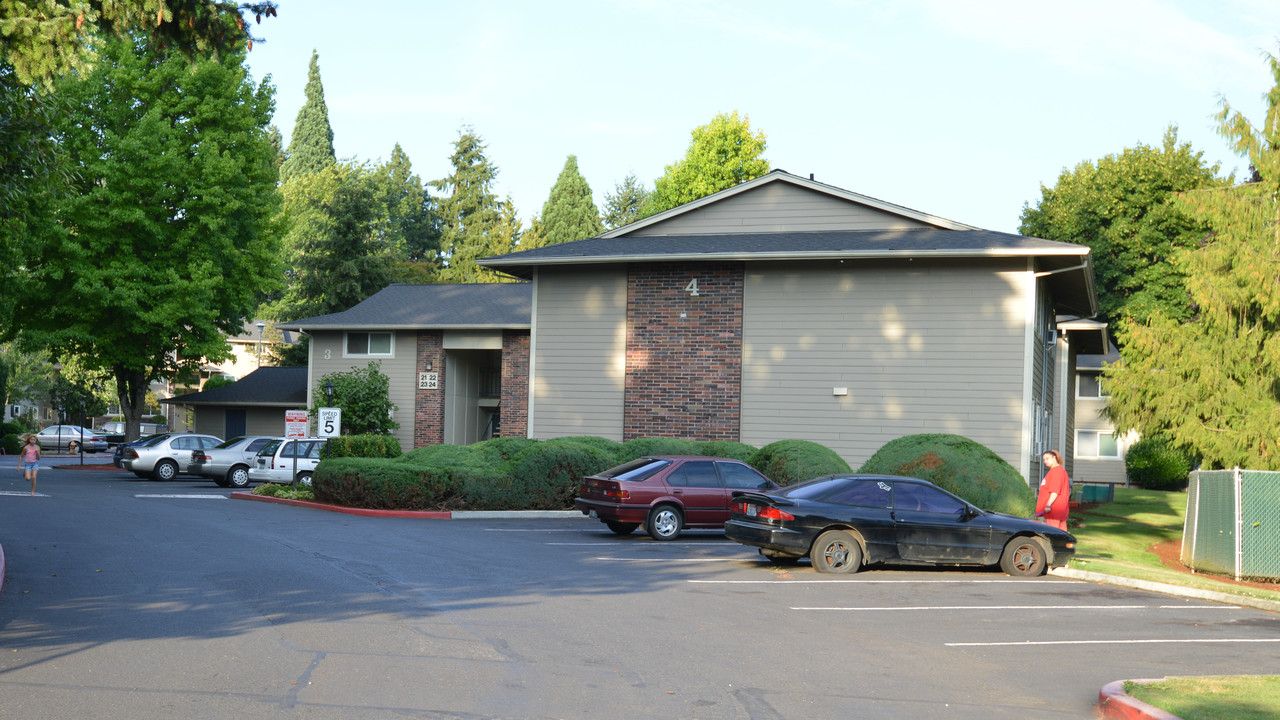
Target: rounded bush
(367,445)
(612,447)
(500,450)
(546,477)
(958,465)
(1154,463)
(382,484)
(726,449)
(12,443)
(641,447)
(787,462)
(441,456)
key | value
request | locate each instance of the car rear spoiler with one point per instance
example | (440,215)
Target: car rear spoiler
(745,495)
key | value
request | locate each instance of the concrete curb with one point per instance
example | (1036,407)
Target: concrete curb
(3,568)
(1114,702)
(423,514)
(1212,595)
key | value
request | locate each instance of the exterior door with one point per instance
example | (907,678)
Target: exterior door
(931,526)
(697,484)
(236,422)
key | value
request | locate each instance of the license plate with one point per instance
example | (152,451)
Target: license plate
(753,510)
(592,515)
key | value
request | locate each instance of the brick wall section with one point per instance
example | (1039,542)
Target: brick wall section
(428,405)
(514,404)
(684,374)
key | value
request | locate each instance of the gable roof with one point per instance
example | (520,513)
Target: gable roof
(265,387)
(441,306)
(782,176)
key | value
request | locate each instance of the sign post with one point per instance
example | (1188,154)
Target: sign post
(295,426)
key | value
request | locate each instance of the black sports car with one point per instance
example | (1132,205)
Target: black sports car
(843,522)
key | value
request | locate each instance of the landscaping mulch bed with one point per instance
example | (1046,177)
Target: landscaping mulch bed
(1170,554)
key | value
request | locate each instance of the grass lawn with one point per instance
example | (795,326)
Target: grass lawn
(1116,539)
(1255,697)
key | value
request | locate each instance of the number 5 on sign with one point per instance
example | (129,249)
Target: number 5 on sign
(330,422)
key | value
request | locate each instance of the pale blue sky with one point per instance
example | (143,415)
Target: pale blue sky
(959,109)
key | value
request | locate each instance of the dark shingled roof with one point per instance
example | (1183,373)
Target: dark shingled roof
(266,386)
(420,307)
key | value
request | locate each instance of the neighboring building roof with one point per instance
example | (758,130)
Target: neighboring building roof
(1090,336)
(251,333)
(266,387)
(441,306)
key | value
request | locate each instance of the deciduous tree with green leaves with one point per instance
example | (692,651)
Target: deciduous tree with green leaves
(166,235)
(721,154)
(311,145)
(1211,383)
(364,396)
(569,212)
(1123,208)
(470,213)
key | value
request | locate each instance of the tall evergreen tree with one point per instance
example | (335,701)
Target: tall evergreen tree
(721,154)
(166,232)
(311,145)
(412,224)
(625,203)
(469,213)
(335,249)
(569,212)
(1211,383)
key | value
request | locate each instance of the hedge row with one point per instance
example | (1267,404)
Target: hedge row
(524,474)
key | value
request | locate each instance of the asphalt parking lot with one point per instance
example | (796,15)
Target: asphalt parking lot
(131,598)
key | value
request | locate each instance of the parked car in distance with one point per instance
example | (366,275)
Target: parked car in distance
(275,461)
(70,438)
(228,464)
(163,456)
(113,431)
(667,494)
(843,522)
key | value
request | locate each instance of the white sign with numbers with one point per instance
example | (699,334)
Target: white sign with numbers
(295,423)
(329,422)
(428,380)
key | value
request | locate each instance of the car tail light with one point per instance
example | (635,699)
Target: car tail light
(615,493)
(131,454)
(773,513)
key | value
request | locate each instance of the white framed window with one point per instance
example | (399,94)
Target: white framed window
(368,344)
(1089,385)
(1097,444)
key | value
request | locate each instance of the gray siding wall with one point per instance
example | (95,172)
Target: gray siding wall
(779,207)
(578,352)
(401,368)
(922,348)
(212,420)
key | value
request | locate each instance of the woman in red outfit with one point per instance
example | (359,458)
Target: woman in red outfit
(1054,499)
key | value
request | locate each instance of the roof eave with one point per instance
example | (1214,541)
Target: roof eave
(500,264)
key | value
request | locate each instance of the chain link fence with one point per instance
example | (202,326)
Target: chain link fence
(1233,523)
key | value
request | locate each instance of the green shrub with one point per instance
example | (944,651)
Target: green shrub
(368,445)
(12,443)
(543,477)
(382,484)
(641,447)
(727,449)
(441,456)
(497,451)
(958,465)
(287,492)
(11,428)
(612,447)
(787,462)
(1153,463)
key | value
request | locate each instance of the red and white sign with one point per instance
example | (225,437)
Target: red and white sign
(295,423)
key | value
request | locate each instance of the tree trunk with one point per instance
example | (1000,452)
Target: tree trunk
(131,388)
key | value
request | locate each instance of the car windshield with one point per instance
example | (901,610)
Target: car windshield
(637,469)
(229,443)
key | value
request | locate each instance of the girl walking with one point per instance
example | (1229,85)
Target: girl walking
(29,461)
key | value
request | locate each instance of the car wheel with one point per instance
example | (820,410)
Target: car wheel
(665,522)
(621,528)
(165,470)
(73,447)
(304,478)
(836,551)
(238,477)
(1023,557)
(779,557)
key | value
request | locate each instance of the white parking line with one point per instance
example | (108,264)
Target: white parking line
(186,497)
(669,560)
(21,493)
(1116,642)
(879,582)
(644,545)
(1026,607)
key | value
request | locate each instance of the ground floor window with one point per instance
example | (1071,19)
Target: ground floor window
(1097,443)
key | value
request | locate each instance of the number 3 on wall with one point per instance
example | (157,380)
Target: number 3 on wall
(692,287)
(328,354)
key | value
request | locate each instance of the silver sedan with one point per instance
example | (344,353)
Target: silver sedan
(70,438)
(228,463)
(162,457)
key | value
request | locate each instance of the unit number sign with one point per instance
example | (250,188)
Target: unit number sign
(692,287)
(428,381)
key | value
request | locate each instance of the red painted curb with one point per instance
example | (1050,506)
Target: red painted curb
(1114,702)
(428,514)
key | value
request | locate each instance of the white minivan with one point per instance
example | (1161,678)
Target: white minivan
(277,463)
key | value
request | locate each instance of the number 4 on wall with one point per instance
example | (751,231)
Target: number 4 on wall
(692,287)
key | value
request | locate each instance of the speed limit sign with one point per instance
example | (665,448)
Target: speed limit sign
(329,422)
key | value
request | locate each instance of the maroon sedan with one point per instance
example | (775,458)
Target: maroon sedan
(667,494)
